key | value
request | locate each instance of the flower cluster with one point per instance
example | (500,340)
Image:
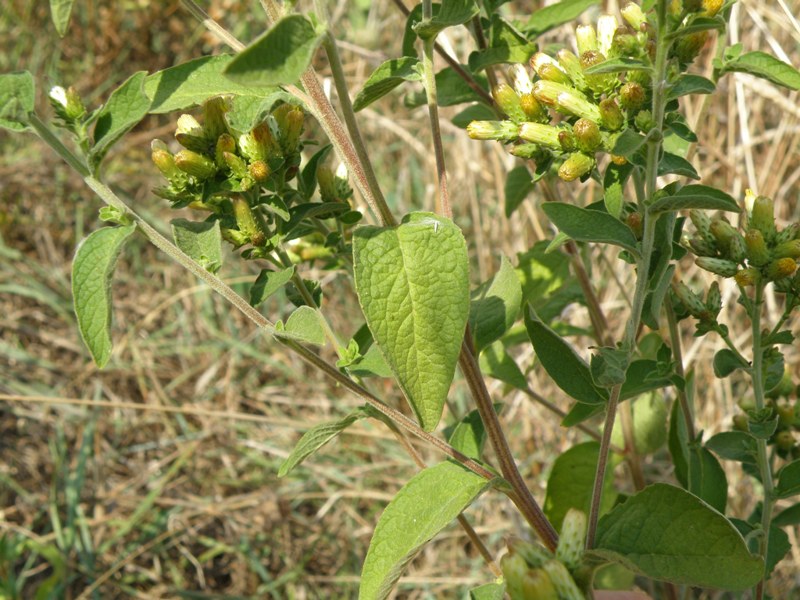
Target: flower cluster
(244,179)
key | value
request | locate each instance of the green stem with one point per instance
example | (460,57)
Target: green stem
(436,133)
(52,140)
(762,459)
(677,354)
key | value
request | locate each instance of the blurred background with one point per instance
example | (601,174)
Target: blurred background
(156,477)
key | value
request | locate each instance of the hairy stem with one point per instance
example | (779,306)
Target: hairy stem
(677,355)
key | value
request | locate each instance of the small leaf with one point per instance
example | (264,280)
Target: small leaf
(726,362)
(707,479)
(305,325)
(586,225)
(193,82)
(279,56)
(766,67)
(201,241)
(469,435)
(92,269)
(506,45)
(676,165)
(495,305)
(372,364)
(608,366)
(788,517)
(421,509)
(307,182)
(571,480)
(618,65)
(450,14)
(126,106)
(641,377)
(700,24)
(267,283)
(385,78)
(567,370)
(614,187)
(413,285)
(315,438)
(690,84)
(496,362)
(60,11)
(17,96)
(734,445)
(668,534)
(488,591)
(789,480)
(519,184)
(552,16)
(628,142)
(696,196)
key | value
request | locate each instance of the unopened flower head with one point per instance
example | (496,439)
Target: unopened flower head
(493,130)
(571,64)
(537,133)
(586,38)
(508,101)
(633,15)
(577,165)
(606,27)
(520,79)
(568,102)
(58,95)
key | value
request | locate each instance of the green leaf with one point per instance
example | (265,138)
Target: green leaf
(420,510)
(201,241)
(778,546)
(649,424)
(126,106)
(279,56)
(676,165)
(567,370)
(475,112)
(17,96)
(496,362)
(92,269)
(696,196)
(413,285)
(451,89)
(193,82)
(495,305)
(541,273)
(450,14)
(668,534)
(789,480)
(690,84)
(678,444)
(571,480)
(519,184)
(506,45)
(489,591)
(315,438)
(618,65)
(614,187)
(372,364)
(586,225)
(385,78)
(641,377)
(707,479)
(700,24)
(766,67)
(734,445)
(556,14)
(267,283)
(469,435)
(60,11)
(726,362)
(307,182)
(580,412)
(788,517)
(304,325)
(628,142)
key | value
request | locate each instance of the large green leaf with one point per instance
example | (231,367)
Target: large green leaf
(556,14)
(60,11)
(567,370)
(519,184)
(279,56)
(385,78)
(690,84)
(469,436)
(495,305)
(506,45)
(766,67)
(126,106)
(571,480)
(586,225)
(696,196)
(92,269)
(202,241)
(194,82)
(17,96)
(666,533)
(649,424)
(413,285)
(496,362)
(268,282)
(420,510)
(707,478)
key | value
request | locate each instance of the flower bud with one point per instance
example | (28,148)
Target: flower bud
(633,15)
(780,268)
(712,7)
(701,247)
(611,115)
(577,165)
(572,538)
(214,117)
(635,222)
(575,104)
(702,223)
(565,586)
(514,569)
(236,165)
(571,64)
(225,143)
(747,277)
(719,266)
(624,44)
(537,133)
(259,171)
(632,95)
(535,555)
(737,250)
(508,101)
(520,79)
(741,422)
(723,232)
(786,411)
(606,28)
(757,252)
(714,299)
(790,249)
(246,221)
(289,119)
(762,217)
(164,160)
(194,164)
(540,61)
(644,121)
(599,83)
(67,103)
(533,110)
(493,130)
(536,583)
(264,140)
(189,125)
(551,72)
(567,140)
(525,151)
(327,185)
(586,37)
(784,440)
(587,133)
(618,160)
(691,301)
(689,46)
(787,233)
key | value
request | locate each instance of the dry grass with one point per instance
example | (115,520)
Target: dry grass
(155,478)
